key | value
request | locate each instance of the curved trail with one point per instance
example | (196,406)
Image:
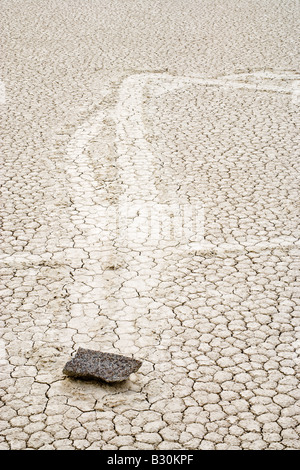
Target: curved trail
(150,208)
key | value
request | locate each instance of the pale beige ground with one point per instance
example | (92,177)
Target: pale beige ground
(151,107)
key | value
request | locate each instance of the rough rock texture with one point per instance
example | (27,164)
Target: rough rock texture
(89,364)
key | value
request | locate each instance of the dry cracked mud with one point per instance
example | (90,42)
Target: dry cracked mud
(150,208)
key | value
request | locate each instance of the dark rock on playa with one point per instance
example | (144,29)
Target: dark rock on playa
(89,364)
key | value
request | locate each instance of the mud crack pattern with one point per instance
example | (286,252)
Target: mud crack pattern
(150,208)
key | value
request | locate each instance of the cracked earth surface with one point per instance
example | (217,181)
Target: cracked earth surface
(150,207)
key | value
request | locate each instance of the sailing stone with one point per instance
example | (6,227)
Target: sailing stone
(90,364)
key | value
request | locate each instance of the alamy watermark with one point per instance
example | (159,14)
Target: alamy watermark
(296,92)
(145,221)
(2,92)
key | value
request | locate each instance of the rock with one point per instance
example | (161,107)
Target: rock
(89,364)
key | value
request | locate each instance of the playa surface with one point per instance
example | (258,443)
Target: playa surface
(150,208)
